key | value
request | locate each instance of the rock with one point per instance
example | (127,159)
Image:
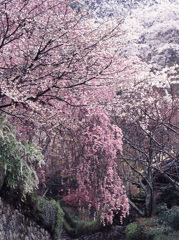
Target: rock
(115,235)
(119,229)
(14,225)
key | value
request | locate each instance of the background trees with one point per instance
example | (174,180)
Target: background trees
(153,34)
(149,119)
(149,122)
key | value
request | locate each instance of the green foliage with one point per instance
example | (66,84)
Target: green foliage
(69,229)
(161,209)
(51,215)
(77,227)
(131,231)
(170,196)
(71,217)
(152,232)
(171,218)
(164,225)
(170,236)
(18,159)
(1,174)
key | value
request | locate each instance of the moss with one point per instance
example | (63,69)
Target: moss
(59,220)
(87,227)
(77,227)
(70,217)
(82,228)
(69,229)
(51,216)
(93,226)
(131,231)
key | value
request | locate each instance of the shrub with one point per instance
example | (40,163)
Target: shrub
(152,232)
(170,196)
(161,209)
(164,225)
(155,226)
(171,236)
(18,159)
(51,216)
(171,218)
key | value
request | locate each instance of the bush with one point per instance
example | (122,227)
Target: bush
(164,226)
(152,232)
(18,159)
(170,196)
(51,216)
(161,209)
(144,229)
(171,218)
(171,236)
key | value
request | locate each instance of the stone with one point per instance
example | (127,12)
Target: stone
(119,228)
(115,235)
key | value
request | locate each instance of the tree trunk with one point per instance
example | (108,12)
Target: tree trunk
(148,202)
(149,194)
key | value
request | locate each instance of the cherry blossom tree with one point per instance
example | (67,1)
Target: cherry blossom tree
(59,71)
(50,57)
(148,117)
(92,161)
(153,32)
(148,108)
(150,127)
